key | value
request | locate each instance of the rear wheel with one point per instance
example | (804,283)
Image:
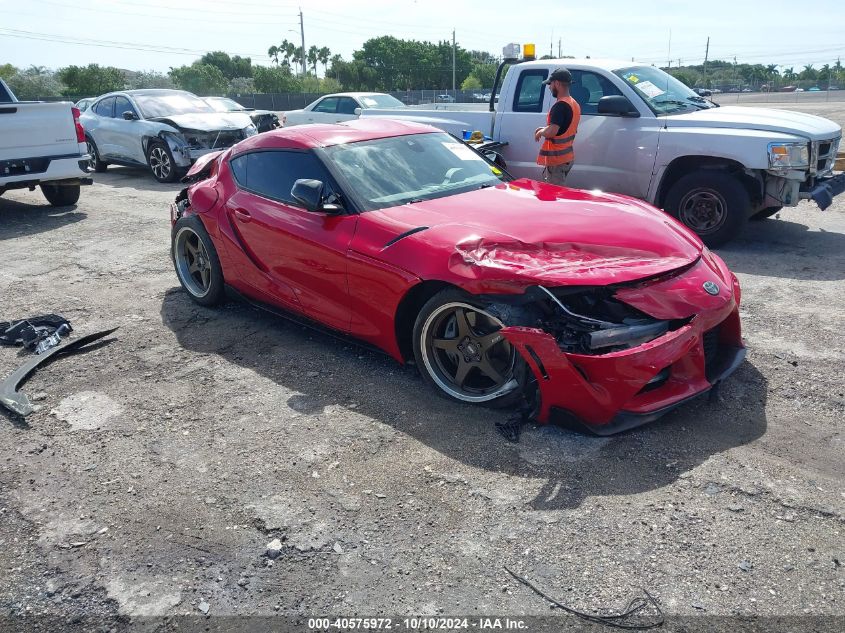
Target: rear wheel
(196,262)
(161,162)
(459,351)
(61,195)
(713,204)
(97,165)
(765,213)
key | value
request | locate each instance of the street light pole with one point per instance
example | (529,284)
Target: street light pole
(302,34)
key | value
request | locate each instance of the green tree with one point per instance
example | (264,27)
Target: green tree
(242,86)
(91,80)
(485,73)
(471,83)
(275,79)
(312,57)
(808,73)
(231,67)
(201,79)
(35,82)
(7,70)
(149,79)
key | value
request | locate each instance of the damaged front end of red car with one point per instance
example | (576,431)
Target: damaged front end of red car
(609,358)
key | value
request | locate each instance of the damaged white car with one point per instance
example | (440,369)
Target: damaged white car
(166,130)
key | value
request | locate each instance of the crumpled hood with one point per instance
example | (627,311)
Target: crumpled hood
(209,121)
(805,125)
(528,232)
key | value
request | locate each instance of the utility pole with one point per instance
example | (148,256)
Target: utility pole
(559,49)
(302,33)
(453,60)
(706,53)
(669,52)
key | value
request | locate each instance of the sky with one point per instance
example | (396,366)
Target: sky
(159,34)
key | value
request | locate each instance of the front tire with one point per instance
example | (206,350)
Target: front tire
(196,262)
(161,162)
(713,204)
(459,352)
(61,195)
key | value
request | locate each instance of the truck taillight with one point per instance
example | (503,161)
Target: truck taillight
(80,131)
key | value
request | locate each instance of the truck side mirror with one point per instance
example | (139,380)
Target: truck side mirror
(617,105)
(357,112)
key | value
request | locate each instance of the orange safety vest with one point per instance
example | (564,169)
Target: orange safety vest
(558,150)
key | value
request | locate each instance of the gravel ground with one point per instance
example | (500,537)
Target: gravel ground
(159,467)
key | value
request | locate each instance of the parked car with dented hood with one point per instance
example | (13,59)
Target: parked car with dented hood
(264,120)
(166,130)
(593,309)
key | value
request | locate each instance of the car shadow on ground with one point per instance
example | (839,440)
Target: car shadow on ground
(326,371)
(140,178)
(19,219)
(784,249)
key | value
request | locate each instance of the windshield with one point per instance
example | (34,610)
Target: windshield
(392,171)
(661,91)
(380,101)
(221,104)
(170,103)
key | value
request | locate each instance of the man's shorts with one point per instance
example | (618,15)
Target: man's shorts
(556,174)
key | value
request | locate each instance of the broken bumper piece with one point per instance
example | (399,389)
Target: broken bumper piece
(825,190)
(614,392)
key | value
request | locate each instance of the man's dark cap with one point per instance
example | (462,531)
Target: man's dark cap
(559,74)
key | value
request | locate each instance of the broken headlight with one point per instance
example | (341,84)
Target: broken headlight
(591,321)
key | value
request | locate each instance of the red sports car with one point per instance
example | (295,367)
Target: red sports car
(595,309)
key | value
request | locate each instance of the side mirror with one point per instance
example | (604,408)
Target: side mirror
(357,112)
(130,116)
(617,105)
(309,193)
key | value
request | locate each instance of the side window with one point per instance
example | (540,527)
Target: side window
(105,107)
(329,104)
(271,174)
(345,105)
(238,167)
(530,90)
(588,87)
(121,105)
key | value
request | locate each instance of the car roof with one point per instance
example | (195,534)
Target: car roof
(326,135)
(352,94)
(147,92)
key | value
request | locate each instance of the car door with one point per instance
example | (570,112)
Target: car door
(324,111)
(301,254)
(516,124)
(102,132)
(127,133)
(612,153)
(346,109)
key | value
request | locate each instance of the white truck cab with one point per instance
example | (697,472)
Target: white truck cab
(645,134)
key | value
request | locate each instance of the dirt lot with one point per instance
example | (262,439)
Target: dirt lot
(160,466)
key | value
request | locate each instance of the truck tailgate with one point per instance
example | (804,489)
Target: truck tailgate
(31,130)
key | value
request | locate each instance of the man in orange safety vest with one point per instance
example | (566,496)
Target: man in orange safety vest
(557,153)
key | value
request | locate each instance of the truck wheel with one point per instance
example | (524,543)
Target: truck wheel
(97,165)
(765,213)
(161,162)
(61,195)
(713,204)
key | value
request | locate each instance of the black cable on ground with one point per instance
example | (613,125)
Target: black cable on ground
(615,620)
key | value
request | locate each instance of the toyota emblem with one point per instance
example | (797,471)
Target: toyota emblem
(711,288)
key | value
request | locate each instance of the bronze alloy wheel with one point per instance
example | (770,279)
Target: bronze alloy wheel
(465,355)
(192,262)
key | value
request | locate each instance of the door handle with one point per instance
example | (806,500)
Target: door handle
(243,215)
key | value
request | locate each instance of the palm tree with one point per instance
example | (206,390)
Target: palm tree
(323,56)
(273,52)
(312,56)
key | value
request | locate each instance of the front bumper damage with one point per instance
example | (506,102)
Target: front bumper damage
(824,190)
(606,393)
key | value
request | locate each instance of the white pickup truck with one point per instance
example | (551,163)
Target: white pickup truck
(42,144)
(645,134)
